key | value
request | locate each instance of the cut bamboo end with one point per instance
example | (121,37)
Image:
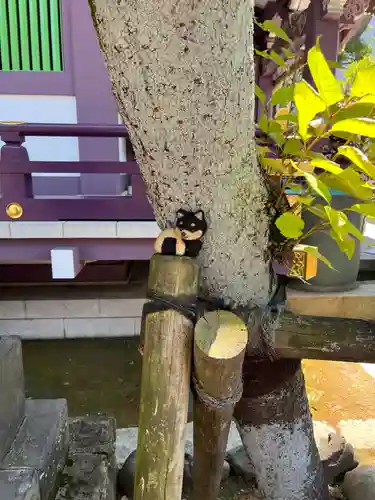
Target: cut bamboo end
(172,275)
(221,334)
(304,265)
(219,350)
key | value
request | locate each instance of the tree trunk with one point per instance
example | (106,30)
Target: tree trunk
(275,425)
(183,75)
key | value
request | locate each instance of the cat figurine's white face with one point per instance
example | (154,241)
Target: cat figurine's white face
(191,224)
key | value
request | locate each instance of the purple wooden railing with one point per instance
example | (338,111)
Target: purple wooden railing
(17,183)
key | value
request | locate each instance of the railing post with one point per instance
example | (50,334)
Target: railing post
(139,196)
(14,187)
(13,151)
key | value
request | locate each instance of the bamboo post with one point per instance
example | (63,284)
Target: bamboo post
(219,349)
(168,337)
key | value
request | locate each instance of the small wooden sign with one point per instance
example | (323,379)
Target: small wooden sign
(304,265)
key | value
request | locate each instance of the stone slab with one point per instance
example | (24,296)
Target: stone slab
(41,442)
(92,435)
(12,396)
(356,304)
(88,476)
(90,472)
(359,484)
(19,484)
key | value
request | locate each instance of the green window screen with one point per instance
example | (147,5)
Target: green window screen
(30,35)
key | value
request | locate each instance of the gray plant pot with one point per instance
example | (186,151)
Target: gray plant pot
(345,276)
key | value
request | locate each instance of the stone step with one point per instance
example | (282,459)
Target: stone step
(12,396)
(19,484)
(88,476)
(41,442)
(90,472)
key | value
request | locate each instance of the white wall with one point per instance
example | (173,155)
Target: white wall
(43,109)
(47,109)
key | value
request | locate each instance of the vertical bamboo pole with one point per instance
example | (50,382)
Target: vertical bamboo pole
(168,337)
(219,349)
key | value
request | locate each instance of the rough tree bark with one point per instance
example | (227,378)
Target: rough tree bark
(183,75)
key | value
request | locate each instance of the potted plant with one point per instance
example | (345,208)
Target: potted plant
(316,148)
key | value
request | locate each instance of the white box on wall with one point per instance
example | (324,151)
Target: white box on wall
(65,263)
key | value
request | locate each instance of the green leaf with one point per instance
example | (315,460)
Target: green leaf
(363,83)
(277,59)
(290,117)
(262,53)
(329,166)
(334,64)
(360,126)
(344,135)
(315,184)
(318,186)
(349,182)
(290,225)
(263,124)
(308,104)
(357,65)
(356,110)
(366,209)
(371,151)
(315,253)
(289,54)
(341,225)
(274,127)
(262,150)
(293,147)
(274,165)
(275,131)
(336,218)
(359,159)
(275,29)
(306,200)
(318,211)
(328,87)
(350,227)
(283,95)
(260,94)
(297,188)
(272,56)
(345,243)
(368,99)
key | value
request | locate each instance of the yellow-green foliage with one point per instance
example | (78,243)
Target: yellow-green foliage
(297,119)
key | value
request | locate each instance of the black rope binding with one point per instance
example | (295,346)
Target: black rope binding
(192,309)
(212,402)
(185,305)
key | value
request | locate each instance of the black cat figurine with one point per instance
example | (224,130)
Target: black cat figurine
(185,238)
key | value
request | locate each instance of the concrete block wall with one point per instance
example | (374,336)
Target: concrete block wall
(71,318)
